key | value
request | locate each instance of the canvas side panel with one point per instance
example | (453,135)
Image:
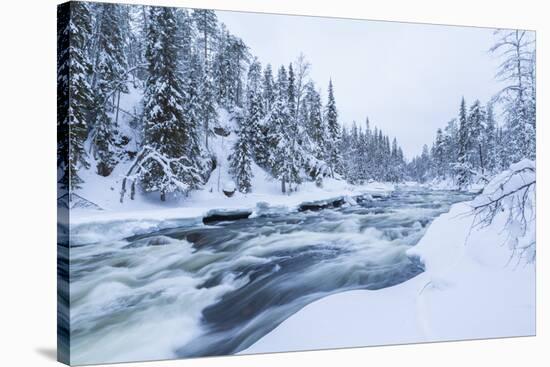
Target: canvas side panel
(63,77)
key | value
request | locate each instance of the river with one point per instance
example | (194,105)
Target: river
(203,290)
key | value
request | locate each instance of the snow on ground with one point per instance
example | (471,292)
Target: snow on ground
(471,289)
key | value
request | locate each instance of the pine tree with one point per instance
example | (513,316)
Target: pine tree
(291,93)
(228,67)
(209,112)
(206,22)
(450,142)
(278,142)
(193,113)
(285,158)
(241,157)
(334,158)
(207,26)
(268,88)
(74,93)
(254,112)
(186,36)
(476,133)
(315,124)
(110,78)
(167,164)
(490,141)
(463,166)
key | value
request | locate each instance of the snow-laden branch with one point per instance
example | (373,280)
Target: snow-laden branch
(171,168)
(511,194)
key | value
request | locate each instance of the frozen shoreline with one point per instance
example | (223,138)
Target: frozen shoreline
(89,226)
(470,290)
(201,202)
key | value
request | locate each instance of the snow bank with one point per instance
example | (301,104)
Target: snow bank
(470,290)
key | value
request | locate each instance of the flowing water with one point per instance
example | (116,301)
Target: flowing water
(201,290)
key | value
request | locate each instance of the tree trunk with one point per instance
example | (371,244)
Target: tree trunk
(283,185)
(206,127)
(117,108)
(162,196)
(133,190)
(481,160)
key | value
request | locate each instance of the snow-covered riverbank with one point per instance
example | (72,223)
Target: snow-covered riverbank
(142,216)
(471,289)
(200,202)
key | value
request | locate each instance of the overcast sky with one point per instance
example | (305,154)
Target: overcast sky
(407,78)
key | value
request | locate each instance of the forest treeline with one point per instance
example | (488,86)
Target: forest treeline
(477,144)
(188,67)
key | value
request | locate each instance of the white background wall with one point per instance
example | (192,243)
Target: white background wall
(27,179)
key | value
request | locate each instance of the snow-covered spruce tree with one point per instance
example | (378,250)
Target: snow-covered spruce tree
(249,142)
(110,77)
(361,158)
(285,159)
(350,149)
(344,144)
(268,88)
(386,161)
(193,114)
(206,23)
(396,165)
(209,112)
(463,167)
(367,144)
(501,149)
(450,143)
(291,92)
(518,98)
(439,155)
(333,158)
(309,130)
(190,67)
(186,38)
(136,44)
(490,142)
(254,110)
(241,158)
(228,67)
(74,93)
(221,69)
(275,117)
(277,141)
(301,75)
(476,129)
(315,124)
(165,163)
(419,169)
(207,26)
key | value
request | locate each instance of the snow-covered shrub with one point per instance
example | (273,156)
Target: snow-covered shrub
(511,194)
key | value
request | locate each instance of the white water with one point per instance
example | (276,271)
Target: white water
(197,290)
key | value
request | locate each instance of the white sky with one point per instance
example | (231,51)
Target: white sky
(408,78)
